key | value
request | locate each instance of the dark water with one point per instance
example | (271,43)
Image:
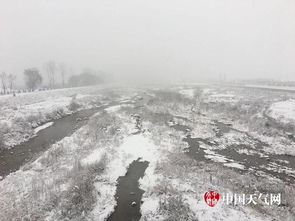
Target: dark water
(182,128)
(12,159)
(257,162)
(254,161)
(128,191)
(222,128)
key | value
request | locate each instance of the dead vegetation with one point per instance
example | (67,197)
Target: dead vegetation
(55,191)
(181,167)
(81,196)
(174,208)
(74,106)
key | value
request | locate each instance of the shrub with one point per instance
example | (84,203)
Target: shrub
(52,155)
(176,209)
(2,144)
(74,106)
(103,126)
(289,195)
(81,196)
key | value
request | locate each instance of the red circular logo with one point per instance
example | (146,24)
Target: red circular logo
(211,197)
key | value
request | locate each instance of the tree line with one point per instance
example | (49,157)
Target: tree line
(7,81)
(33,78)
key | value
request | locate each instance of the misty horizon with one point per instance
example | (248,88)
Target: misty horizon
(154,41)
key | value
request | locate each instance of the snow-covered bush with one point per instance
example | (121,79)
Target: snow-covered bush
(53,155)
(74,106)
(81,196)
(103,125)
(289,195)
(174,208)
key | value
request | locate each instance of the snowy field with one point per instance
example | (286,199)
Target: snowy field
(21,115)
(287,88)
(194,138)
(283,111)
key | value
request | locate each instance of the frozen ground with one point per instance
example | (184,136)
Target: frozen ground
(195,138)
(283,111)
(21,115)
(287,88)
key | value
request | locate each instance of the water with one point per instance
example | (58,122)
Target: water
(128,191)
(11,160)
(255,162)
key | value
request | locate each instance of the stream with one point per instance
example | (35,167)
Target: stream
(129,194)
(12,159)
(281,166)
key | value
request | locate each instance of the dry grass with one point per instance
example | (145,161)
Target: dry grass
(53,155)
(81,196)
(74,106)
(289,195)
(104,126)
(175,209)
(53,188)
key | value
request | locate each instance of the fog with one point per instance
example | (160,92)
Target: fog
(163,40)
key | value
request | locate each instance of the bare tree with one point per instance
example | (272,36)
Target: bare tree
(3,77)
(11,80)
(51,69)
(32,78)
(63,71)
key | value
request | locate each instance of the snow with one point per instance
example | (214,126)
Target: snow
(113,109)
(132,148)
(215,97)
(222,95)
(42,127)
(189,93)
(221,212)
(116,108)
(283,111)
(19,115)
(235,165)
(106,203)
(139,146)
(150,205)
(94,157)
(288,88)
(50,171)
(159,145)
(215,157)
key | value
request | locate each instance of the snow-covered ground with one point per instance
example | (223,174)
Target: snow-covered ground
(288,88)
(42,127)
(283,111)
(76,179)
(21,115)
(187,92)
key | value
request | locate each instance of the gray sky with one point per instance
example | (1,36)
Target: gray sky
(165,39)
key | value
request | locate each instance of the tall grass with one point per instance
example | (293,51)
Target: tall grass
(174,208)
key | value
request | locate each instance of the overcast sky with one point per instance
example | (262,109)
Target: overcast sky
(164,39)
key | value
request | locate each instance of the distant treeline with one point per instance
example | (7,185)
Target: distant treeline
(56,76)
(268,82)
(85,78)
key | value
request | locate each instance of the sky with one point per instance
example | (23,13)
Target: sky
(152,40)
